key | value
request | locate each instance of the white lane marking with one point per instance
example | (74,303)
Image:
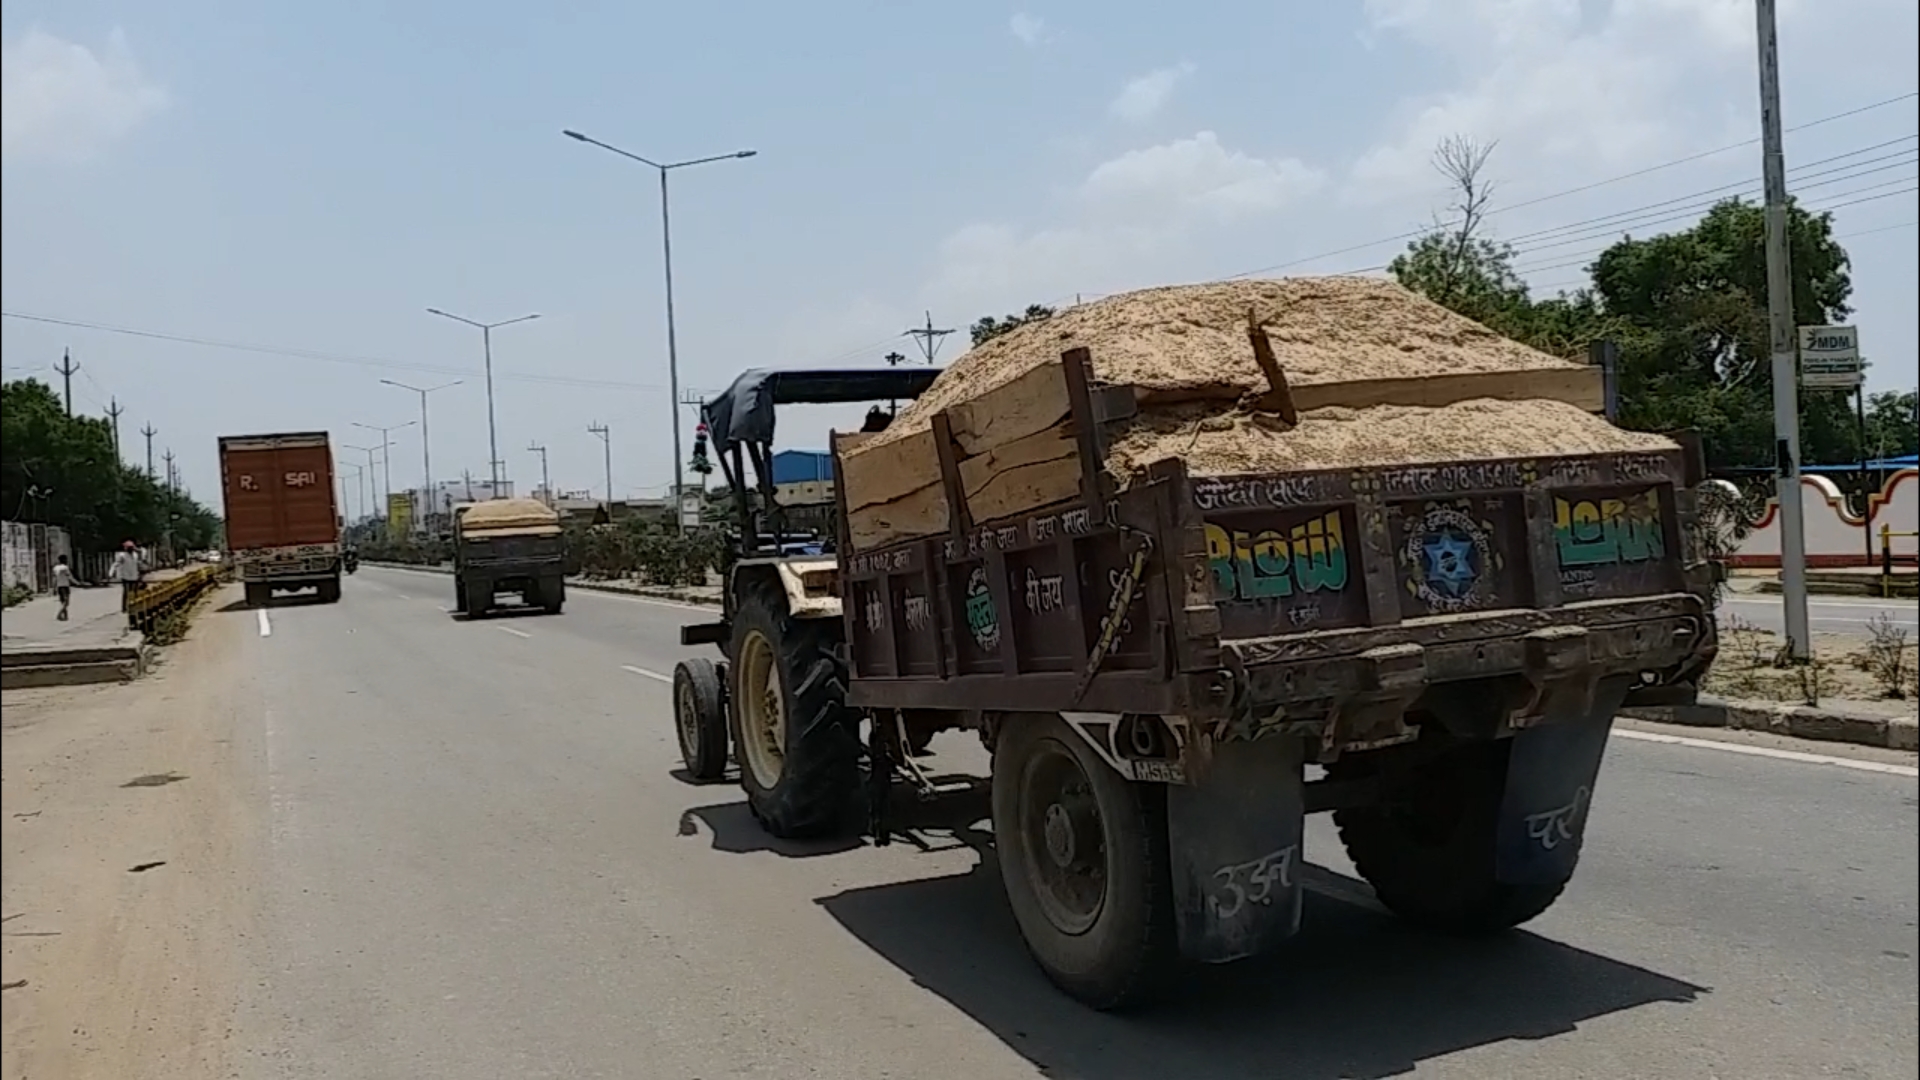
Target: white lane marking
(403,596)
(1769,752)
(645,674)
(266,628)
(511,630)
(280,827)
(1775,601)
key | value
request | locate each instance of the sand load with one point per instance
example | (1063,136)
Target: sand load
(1368,373)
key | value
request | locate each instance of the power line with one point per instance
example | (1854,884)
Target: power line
(1582,188)
(1587,255)
(323,357)
(1905,157)
(1694,209)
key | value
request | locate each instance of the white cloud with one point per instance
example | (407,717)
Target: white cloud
(990,266)
(1561,91)
(1199,173)
(61,101)
(1130,218)
(1143,98)
(1031,30)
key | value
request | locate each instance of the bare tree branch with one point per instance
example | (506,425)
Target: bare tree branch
(1462,159)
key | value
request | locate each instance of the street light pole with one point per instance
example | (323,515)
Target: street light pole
(426,445)
(486,345)
(386,465)
(369,451)
(360,475)
(666,251)
(1784,346)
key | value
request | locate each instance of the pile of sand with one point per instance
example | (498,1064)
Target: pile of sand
(1213,443)
(1189,342)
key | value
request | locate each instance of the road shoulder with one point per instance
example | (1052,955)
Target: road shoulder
(130,848)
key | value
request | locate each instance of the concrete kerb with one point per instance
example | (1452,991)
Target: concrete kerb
(650,592)
(1832,722)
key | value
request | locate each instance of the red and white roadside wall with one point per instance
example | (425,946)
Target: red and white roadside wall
(1836,537)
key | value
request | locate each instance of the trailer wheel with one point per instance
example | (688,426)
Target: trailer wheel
(797,744)
(1083,857)
(479,598)
(258,594)
(553,595)
(459,595)
(329,591)
(700,718)
(1427,847)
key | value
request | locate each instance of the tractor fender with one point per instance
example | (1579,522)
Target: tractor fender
(809,585)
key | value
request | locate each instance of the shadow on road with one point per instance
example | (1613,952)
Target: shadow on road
(508,611)
(305,599)
(1357,994)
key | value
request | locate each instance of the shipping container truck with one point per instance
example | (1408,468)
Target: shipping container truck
(282,521)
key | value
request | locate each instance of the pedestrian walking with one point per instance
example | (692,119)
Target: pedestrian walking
(62,584)
(126,570)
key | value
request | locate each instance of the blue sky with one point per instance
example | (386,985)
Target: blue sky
(312,177)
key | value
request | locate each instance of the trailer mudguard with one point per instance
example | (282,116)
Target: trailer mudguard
(1551,770)
(1234,841)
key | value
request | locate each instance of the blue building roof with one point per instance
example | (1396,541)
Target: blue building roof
(802,466)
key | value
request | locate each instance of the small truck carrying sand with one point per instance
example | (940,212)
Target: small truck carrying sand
(508,546)
(1166,550)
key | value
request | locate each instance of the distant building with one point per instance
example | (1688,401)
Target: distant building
(801,477)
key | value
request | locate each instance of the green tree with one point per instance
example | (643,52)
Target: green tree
(987,327)
(1893,428)
(1691,311)
(62,470)
(1688,310)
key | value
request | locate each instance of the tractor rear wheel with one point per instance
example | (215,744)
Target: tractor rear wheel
(797,743)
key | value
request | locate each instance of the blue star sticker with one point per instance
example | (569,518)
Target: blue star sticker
(1450,564)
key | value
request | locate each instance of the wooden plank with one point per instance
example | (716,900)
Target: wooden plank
(1578,386)
(874,475)
(1037,471)
(950,485)
(921,514)
(1077,364)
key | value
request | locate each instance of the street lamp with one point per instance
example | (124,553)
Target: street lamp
(369,451)
(386,460)
(360,475)
(486,343)
(666,250)
(426,449)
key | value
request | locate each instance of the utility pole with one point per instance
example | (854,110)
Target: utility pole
(895,359)
(606,442)
(113,413)
(546,485)
(149,431)
(166,525)
(1784,344)
(929,338)
(66,369)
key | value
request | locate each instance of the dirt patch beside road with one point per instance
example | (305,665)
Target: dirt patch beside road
(131,849)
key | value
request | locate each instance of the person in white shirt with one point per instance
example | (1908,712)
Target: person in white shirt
(62,584)
(126,570)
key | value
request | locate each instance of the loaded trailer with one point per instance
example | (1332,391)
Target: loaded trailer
(1155,665)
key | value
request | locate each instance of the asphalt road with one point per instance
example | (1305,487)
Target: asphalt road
(1831,615)
(481,863)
